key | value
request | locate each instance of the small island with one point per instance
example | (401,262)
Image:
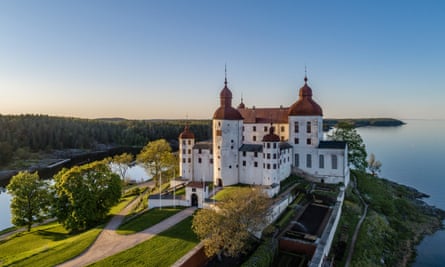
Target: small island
(376,122)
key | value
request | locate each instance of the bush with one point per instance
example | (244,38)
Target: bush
(264,255)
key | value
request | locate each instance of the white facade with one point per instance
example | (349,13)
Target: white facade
(245,150)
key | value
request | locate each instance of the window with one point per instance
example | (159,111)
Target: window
(268,155)
(211,161)
(297,160)
(183,160)
(244,163)
(282,138)
(199,160)
(334,162)
(183,151)
(321,161)
(265,128)
(296,129)
(274,145)
(274,166)
(308,141)
(243,128)
(200,151)
(309,161)
(268,145)
(296,141)
(254,128)
(230,166)
(183,142)
(231,141)
(255,164)
(190,142)
(274,156)
(189,160)
(268,166)
(308,127)
(244,153)
(243,137)
(255,154)
(254,138)
(189,151)
(282,128)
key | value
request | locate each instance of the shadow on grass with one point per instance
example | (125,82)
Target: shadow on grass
(53,236)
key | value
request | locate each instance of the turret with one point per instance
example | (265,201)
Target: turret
(227,138)
(186,143)
(271,152)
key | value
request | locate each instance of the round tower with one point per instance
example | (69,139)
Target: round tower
(271,152)
(227,129)
(305,126)
(186,143)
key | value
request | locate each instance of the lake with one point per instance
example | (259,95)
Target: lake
(411,154)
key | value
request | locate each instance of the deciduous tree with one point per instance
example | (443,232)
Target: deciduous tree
(85,194)
(156,156)
(227,229)
(121,163)
(374,165)
(356,148)
(30,199)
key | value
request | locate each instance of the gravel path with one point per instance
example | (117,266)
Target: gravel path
(109,242)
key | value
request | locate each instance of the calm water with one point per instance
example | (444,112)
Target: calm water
(412,155)
(136,173)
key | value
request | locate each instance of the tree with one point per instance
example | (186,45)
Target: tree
(85,194)
(6,153)
(156,156)
(227,229)
(121,163)
(30,199)
(356,148)
(374,165)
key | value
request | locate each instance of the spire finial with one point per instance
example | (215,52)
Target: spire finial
(225,75)
(305,74)
(241,97)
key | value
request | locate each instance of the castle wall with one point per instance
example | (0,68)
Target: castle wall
(202,165)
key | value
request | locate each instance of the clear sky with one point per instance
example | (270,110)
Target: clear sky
(165,59)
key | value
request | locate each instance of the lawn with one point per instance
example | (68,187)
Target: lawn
(49,244)
(227,191)
(146,219)
(162,250)
(45,245)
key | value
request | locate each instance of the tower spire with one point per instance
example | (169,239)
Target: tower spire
(225,75)
(305,74)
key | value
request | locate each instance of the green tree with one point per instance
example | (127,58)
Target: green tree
(6,153)
(121,163)
(374,166)
(356,148)
(156,156)
(227,230)
(30,199)
(85,194)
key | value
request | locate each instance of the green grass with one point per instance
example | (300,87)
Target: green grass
(180,192)
(121,205)
(146,220)
(161,250)
(227,191)
(49,244)
(45,245)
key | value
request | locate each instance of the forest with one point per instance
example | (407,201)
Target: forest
(25,134)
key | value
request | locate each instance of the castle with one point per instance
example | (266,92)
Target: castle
(263,146)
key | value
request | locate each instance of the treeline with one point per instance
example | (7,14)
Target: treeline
(37,133)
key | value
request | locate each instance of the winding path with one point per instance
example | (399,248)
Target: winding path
(359,224)
(109,242)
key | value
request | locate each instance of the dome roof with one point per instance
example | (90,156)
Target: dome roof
(305,106)
(187,134)
(226,111)
(271,136)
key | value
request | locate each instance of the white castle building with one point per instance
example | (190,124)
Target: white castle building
(263,146)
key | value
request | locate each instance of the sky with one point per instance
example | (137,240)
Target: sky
(165,59)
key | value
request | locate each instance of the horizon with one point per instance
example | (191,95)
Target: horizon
(155,60)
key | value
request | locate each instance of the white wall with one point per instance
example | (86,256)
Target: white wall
(186,168)
(250,174)
(203,170)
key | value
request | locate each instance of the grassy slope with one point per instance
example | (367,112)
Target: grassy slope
(396,221)
(162,250)
(49,244)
